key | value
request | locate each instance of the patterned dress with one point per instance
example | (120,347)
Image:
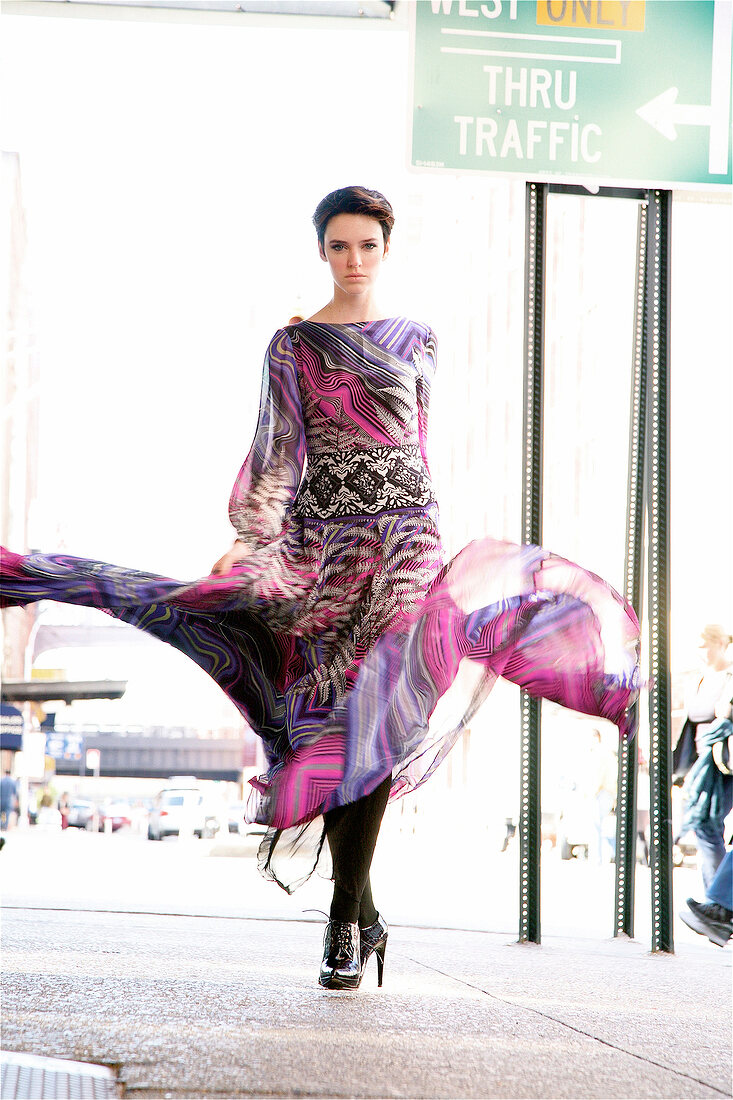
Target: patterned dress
(347,643)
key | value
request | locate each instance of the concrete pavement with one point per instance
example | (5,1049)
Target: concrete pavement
(212,1007)
(226,1006)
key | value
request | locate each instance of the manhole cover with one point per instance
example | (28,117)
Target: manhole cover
(28,1077)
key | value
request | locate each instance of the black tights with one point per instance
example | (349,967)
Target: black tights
(352,836)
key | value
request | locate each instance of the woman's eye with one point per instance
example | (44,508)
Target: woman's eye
(370,246)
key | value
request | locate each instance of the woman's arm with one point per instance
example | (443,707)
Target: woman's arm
(724,706)
(269,478)
(424,383)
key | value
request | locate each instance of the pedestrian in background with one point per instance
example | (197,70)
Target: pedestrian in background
(714,917)
(704,751)
(8,801)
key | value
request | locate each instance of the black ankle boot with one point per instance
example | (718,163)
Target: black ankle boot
(374,941)
(341,966)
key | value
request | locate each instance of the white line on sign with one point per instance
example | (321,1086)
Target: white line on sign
(540,41)
(720,86)
(535,56)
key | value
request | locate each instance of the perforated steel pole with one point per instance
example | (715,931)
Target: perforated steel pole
(626,805)
(530,831)
(657,349)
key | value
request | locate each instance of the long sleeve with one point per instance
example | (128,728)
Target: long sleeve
(268,481)
(424,383)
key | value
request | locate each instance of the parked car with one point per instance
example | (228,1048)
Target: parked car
(235,816)
(81,812)
(185,809)
(48,818)
(117,814)
(239,824)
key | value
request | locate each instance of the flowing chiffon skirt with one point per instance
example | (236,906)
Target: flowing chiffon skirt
(497,609)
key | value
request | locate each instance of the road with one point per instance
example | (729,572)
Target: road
(431,882)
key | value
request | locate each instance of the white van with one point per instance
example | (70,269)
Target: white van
(184,810)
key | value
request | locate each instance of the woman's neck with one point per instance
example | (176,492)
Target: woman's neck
(349,309)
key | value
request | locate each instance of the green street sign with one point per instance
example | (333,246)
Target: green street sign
(600,92)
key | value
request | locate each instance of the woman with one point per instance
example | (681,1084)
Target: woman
(333,622)
(708,787)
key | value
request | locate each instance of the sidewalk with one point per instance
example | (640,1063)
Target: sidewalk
(185,1006)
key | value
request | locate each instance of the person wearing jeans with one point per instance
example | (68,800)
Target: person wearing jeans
(708,787)
(714,917)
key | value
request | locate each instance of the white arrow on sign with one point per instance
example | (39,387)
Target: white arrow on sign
(665,114)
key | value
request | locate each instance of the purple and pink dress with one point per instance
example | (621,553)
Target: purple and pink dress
(348,644)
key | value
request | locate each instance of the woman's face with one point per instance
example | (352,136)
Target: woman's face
(354,249)
(712,652)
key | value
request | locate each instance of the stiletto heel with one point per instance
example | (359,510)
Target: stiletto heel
(379,952)
(374,941)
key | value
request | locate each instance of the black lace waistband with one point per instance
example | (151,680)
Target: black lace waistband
(357,483)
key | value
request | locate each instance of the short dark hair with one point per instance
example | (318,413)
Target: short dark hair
(353,200)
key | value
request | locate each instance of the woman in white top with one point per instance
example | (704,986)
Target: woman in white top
(708,705)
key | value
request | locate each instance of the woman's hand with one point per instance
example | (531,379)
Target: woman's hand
(232,558)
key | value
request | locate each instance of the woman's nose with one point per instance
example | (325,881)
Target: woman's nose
(354,259)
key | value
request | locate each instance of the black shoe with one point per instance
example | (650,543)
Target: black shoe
(374,941)
(709,919)
(341,966)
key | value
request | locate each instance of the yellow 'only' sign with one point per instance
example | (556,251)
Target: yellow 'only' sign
(600,15)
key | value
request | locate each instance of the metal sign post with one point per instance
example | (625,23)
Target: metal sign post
(649,484)
(656,347)
(647,481)
(530,815)
(626,801)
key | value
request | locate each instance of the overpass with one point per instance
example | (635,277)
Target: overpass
(153,752)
